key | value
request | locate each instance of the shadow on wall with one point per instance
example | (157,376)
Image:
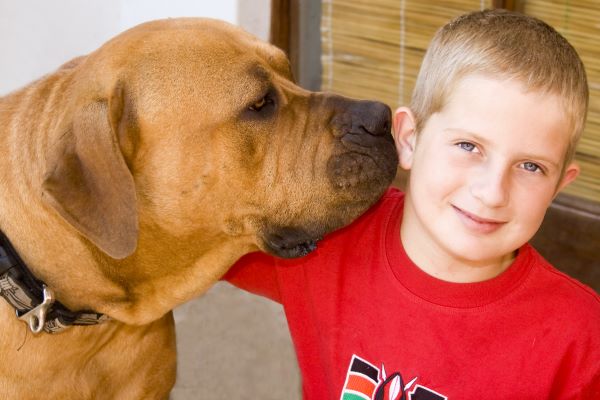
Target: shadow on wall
(234,345)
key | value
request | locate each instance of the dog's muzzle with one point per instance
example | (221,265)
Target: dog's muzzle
(365,160)
(361,166)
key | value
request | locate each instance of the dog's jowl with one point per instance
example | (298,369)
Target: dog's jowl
(132,178)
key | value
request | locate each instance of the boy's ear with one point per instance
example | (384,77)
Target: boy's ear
(405,135)
(571,172)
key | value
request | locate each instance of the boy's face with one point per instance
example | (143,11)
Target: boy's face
(483,172)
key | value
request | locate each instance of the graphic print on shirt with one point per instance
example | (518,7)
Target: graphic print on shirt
(364,381)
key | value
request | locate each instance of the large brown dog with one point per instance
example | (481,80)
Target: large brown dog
(133,178)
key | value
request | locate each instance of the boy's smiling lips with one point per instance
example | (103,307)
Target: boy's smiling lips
(476,223)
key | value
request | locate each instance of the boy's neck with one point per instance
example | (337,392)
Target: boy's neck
(435,261)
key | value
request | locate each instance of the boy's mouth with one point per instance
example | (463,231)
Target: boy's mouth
(476,223)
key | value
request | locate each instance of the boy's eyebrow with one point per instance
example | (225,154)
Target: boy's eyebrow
(474,135)
(484,141)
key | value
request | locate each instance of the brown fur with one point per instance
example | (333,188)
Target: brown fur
(132,179)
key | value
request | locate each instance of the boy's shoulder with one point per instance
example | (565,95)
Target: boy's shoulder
(567,283)
(393,193)
(370,225)
(391,199)
(561,291)
(387,205)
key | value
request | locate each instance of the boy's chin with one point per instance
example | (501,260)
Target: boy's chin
(485,263)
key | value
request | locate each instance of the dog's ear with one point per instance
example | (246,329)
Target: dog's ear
(88,182)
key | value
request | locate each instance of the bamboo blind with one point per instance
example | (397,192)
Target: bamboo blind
(373,49)
(579,22)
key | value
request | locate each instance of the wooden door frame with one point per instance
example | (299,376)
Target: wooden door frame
(295,28)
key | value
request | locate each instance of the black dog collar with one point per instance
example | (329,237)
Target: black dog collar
(33,301)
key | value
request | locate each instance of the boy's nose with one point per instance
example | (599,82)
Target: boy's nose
(491,187)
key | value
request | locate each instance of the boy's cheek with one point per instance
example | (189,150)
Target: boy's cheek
(433,174)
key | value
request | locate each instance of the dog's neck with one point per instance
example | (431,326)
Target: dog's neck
(163,273)
(32,300)
(166,271)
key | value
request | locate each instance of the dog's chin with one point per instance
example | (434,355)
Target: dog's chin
(358,176)
(288,242)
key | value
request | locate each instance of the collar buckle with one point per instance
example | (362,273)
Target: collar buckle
(36,317)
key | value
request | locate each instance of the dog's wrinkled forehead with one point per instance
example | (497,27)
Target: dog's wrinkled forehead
(174,69)
(258,80)
(260,68)
(185,58)
(276,58)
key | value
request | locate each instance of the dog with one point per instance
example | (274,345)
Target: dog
(132,178)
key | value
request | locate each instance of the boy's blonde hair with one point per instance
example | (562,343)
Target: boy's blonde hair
(504,45)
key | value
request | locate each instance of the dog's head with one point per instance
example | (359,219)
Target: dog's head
(196,128)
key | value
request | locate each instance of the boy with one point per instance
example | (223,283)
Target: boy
(435,293)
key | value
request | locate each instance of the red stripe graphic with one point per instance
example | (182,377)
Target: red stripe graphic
(360,384)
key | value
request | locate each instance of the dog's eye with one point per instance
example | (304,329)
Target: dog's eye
(262,103)
(263,108)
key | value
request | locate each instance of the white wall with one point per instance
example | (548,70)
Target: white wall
(37,36)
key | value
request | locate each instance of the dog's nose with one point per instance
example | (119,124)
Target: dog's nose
(360,118)
(371,117)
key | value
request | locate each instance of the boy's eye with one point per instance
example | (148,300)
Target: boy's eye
(467,146)
(531,167)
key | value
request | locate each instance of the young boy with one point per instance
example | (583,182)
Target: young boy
(435,293)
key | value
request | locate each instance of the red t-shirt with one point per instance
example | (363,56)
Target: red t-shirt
(368,323)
